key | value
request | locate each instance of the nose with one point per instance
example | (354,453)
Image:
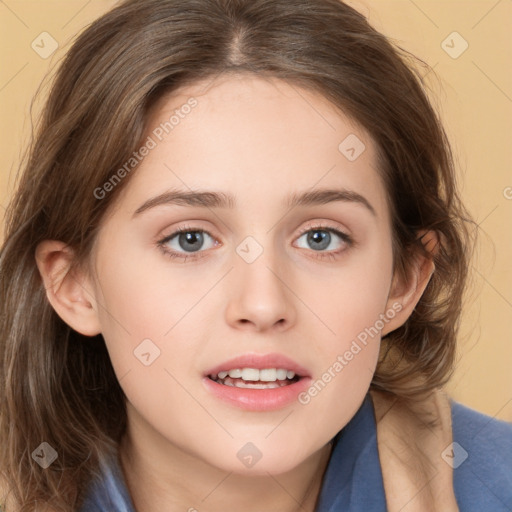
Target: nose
(260,297)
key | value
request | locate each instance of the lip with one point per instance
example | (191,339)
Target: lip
(258,399)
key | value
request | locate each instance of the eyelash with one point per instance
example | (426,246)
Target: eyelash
(330,255)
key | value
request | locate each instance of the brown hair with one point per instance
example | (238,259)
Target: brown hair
(57,385)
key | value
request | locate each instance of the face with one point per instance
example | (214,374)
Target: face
(183,286)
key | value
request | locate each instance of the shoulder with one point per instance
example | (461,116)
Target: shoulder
(482,434)
(481,457)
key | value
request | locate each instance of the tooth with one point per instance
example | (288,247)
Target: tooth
(256,385)
(228,383)
(268,374)
(269,385)
(249,374)
(253,374)
(281,374)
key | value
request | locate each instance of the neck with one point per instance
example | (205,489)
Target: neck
(173,479)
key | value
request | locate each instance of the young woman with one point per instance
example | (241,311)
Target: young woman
(232,276)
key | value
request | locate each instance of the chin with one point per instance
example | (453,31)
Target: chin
(250,460)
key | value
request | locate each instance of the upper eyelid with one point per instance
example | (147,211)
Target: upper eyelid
(323,226)
(320,225)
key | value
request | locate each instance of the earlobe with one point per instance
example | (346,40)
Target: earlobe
(408,292)
(69,292)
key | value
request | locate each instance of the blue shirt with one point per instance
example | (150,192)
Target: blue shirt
(353,482)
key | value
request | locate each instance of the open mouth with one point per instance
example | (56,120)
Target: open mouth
(253,378)
(257,382)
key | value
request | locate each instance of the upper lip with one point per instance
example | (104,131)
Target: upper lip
(259,361)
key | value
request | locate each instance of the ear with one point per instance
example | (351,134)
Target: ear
(405,294)
(69,292)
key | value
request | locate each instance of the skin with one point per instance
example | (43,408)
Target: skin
(260,140)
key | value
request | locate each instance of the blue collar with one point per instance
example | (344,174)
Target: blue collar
(352,480)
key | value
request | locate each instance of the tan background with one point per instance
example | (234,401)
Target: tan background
(471,89)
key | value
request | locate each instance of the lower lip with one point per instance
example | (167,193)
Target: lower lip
(269,399)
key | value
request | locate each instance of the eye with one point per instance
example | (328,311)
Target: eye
(185,242)
(319,238)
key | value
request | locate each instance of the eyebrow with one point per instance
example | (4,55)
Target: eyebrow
(215,199)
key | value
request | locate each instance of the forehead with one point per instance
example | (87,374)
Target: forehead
(259,138)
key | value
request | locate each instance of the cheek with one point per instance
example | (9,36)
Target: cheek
(352,307)
(138,308)
(351,297)
(143,317)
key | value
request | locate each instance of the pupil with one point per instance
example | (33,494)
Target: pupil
(320,237)
(194,238)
